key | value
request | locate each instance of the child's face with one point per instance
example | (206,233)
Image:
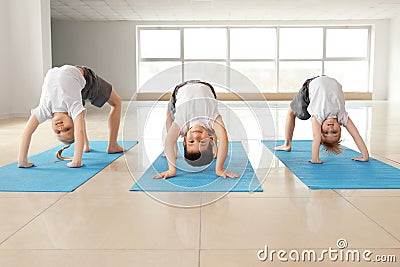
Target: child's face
(330,130)
(63,127)
(197,139)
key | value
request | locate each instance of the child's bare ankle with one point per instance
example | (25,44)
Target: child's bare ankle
(115,148)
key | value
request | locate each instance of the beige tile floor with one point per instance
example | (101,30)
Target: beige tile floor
(102,223)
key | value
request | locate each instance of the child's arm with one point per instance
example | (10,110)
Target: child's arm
(316,128)
(358,140)
(170,143)
(222,136)
(30,128)
(215,146)
(86,143)
(168,124)
(79,141)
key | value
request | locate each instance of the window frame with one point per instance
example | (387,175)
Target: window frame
(227,61)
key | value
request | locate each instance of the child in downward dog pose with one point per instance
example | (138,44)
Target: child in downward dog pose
(193,113)
(63,92)
(322,99)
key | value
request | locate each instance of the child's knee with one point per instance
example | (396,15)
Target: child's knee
(115,100)
(118,100)
(290,112)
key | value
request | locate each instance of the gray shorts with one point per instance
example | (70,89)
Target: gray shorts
(172,100)
(96,90)
(301,101)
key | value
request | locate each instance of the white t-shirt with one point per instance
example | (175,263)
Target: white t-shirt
(61,92)
(327,100)
(195,105)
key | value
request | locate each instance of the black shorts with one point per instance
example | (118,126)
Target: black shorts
(301,101)
(172,100)
(96,90)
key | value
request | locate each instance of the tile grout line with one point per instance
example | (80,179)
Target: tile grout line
(201,226)
(31,220)
(201,209)
(366,215)
(175,250)
(385,157)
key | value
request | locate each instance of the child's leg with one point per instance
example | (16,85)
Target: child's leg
(289,129)
(114,118)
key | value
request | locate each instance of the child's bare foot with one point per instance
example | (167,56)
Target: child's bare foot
(283,148)
(115,149)
(86,149)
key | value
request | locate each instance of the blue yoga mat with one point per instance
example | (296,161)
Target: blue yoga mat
(50,176)
(202,179)
(337,171)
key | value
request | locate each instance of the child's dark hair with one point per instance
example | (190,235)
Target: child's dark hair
(334,148)
(59,152)
(199,158)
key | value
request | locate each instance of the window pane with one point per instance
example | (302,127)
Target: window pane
(346,42)
(150,41)
(300,43)
(293,74)
(214,72)
(148,70)
(262,74)
(353,75)
(205,43)
(253,43)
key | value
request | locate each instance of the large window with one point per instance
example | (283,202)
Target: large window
(347,57)
(205,43)
(300,43)
(150,41)
(275,59)
(253,53)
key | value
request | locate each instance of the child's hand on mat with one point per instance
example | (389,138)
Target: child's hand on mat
(225,173)
(360,159)
(74,164)
(165,175)
(25,164)
(315,161)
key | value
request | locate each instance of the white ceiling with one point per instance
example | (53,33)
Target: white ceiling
(204,10)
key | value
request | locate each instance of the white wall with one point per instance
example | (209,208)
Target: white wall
(394,61)
(106,47)
(26,50)
(6,93)
(26,30)
(380,59)
(46,35)
(110,48)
